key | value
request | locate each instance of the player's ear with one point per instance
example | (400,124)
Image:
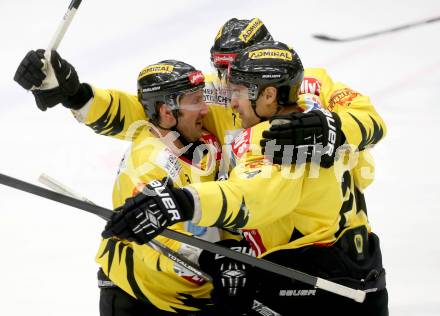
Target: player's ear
(166,115)
(270,95)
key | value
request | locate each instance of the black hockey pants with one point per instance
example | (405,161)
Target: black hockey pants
(115,302)
(340,263)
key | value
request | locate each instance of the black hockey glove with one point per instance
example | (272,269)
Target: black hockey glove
(59,78)
(304,137)
(147,214)
(234,282)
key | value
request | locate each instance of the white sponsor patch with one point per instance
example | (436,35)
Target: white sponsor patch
(241,143)
(167,160)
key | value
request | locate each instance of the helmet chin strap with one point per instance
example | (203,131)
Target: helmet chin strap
(263,118)
(173,128)
(190,153)
(254,108)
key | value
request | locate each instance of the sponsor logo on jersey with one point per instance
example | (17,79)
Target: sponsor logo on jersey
(155,69)
(183,271)
(271,53)
(257,163)
(196,78)
(297,293)
(241,143)
(310,85)
(254,239)
(251,174)
(308,102)
(167,160)
(342,97)
(214,96)
(250,30)
(209,138)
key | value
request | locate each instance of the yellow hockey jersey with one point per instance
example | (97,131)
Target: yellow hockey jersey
(361,124)
(112,112)
(138,269)
(281,207)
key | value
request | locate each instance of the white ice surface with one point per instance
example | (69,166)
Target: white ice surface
(47,249)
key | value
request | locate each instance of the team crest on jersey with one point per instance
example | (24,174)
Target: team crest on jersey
(310,85)
(241,143)
(342,97)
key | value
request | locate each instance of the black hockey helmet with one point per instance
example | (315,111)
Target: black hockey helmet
(165,82)
(234,36)
(268,64)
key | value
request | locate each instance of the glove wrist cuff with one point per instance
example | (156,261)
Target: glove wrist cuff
(80,98)
(186,203)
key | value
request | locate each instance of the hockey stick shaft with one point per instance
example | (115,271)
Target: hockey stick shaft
(376,33)
(176,257)
(357,295)
(57,37)
(64,25)
(156,245)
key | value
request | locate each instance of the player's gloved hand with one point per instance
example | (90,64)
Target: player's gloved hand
(315,134)
(147,214)
(234,282)
(52,82)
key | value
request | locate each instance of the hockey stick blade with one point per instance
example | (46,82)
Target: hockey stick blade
(328,38)
(357,295)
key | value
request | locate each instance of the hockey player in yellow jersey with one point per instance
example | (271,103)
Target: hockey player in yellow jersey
(111,112)
(171,92)
(310,218)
